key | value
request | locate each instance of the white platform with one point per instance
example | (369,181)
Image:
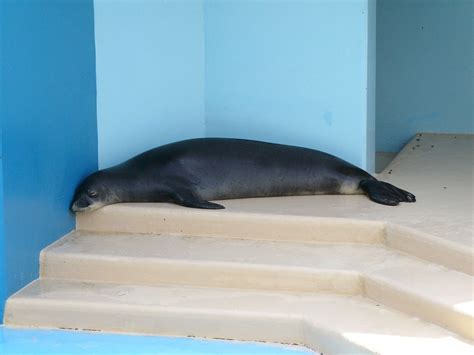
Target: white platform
(339,274)
(329,323)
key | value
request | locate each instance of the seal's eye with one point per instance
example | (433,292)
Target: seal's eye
(92,193)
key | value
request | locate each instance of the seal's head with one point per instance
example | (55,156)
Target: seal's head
(92,193)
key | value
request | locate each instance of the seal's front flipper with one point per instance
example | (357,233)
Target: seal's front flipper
(189,199)
(385,193)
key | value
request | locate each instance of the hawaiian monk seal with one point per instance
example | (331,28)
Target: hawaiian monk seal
(192,172)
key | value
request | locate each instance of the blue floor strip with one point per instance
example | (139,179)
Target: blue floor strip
(28,341)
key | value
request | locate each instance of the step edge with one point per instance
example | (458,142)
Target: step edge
(221,265)
(396,236)
(231,270)
(111,308)
(163,225)
(443,315)
(364,284)
(430,248)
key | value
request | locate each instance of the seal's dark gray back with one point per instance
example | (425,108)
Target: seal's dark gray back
(221,168)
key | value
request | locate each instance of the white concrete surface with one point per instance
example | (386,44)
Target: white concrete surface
(391,278)
(328,323)
(331,272)
(439,170)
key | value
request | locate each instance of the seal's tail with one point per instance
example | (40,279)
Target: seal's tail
(385,193)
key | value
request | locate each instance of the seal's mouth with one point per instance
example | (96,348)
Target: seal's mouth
(75,208)
(83,205)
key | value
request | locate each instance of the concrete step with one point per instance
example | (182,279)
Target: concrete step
(164,218)
(327,323)
(237,222)
(429,291)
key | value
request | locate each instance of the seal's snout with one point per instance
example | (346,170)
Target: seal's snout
(75,206)
(81,204)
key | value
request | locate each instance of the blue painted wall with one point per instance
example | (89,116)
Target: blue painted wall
(424,69)
(268,70)
(3,274)
(150,75)
(292,72)
(48,111)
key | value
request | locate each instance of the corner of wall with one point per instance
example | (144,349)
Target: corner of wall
(371,85)
(97,127)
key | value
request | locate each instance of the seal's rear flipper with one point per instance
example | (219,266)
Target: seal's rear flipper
(189,199)
(385,193)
